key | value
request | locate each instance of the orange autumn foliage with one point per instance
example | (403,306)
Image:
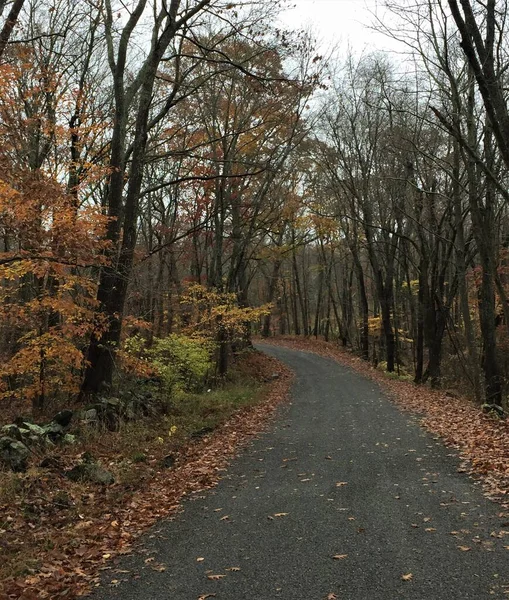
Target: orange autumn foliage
(49,253)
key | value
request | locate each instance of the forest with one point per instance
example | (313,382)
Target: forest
(179,177)
(186,173)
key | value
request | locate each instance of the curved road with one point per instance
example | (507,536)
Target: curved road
(341,473)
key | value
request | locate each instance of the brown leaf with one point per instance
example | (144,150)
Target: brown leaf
(464,548)
(280,514)
(234,569)
(332,596)
(215,577)
(339,556)
(407,577)
(205,596)
(341,483)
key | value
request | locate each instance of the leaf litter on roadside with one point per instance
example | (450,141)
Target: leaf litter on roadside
(111,521)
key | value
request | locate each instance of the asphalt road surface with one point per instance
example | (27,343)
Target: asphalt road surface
(343,473)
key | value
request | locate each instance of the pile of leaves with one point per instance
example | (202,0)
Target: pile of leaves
(481,439)
(60,534)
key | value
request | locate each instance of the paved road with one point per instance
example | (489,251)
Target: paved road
(348,474)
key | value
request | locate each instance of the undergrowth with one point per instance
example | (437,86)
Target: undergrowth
(42,511)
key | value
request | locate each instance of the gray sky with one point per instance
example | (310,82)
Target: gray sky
(339,22)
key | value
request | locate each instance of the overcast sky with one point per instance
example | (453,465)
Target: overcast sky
(339,22)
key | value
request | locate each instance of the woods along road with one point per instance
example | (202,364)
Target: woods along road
(345,497)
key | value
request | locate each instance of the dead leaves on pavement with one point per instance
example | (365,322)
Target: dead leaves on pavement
(482,441)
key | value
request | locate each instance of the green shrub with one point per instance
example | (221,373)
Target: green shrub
(182,362)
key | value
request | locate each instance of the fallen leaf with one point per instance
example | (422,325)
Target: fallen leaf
(215,577)
(339,556)
(205,596)
(200,559)
(341,483)
(407,577)
(430,529)
(234,569)
(464,548)
(280,514)
(332,596)
(225,518)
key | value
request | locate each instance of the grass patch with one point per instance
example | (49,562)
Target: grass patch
(195,412)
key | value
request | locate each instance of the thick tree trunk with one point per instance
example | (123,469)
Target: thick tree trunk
(114,278)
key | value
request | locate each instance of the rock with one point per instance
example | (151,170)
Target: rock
(168,461)
(493,409)
(63,418)
(14,454)
(34,429)
(54,432)
(33,435)
(92,472)
(91,415)
(12,431)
